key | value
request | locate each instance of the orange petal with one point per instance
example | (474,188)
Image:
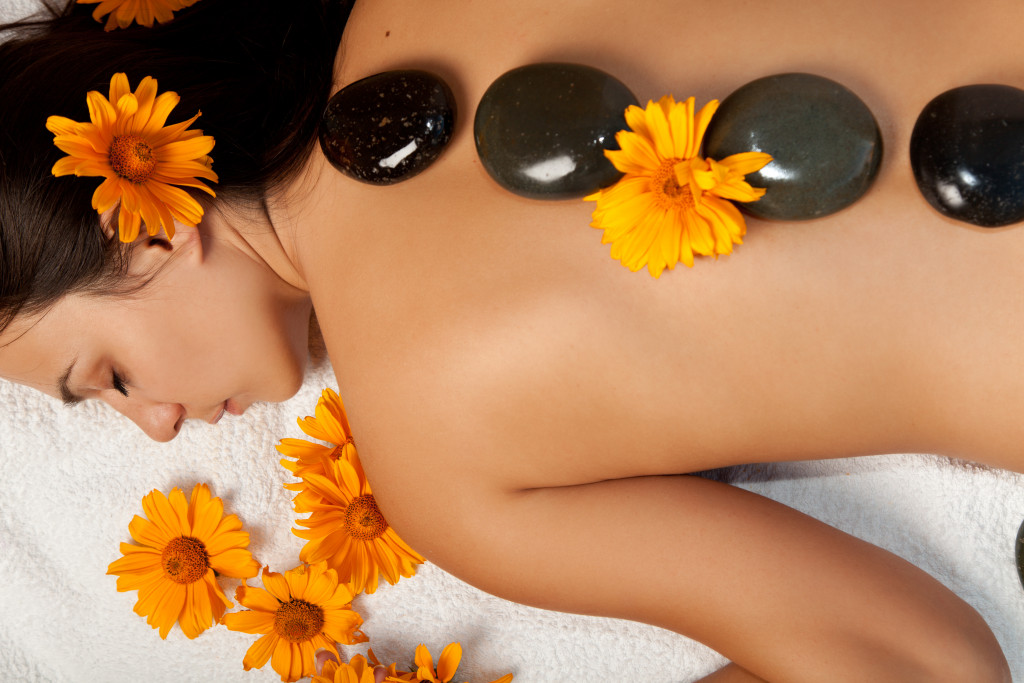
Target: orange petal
(259,600)
(59,125)
(448,662)
(249,621)
(276,585)
(101,112)
(424,663)
(118,83)
(701,125)
(259,652)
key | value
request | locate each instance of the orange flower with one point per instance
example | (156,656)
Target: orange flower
(358,670)
(141,160)
(447,664)
(348,531)
(124,12)
(330,425)
(670,203)
(182,545)
(298,613)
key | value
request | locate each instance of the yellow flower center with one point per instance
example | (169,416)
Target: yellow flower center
(363,519)
(298,620)
(668,193)
(132,158)
(185,560)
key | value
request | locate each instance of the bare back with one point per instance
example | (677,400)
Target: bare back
(814,339)
(514,390)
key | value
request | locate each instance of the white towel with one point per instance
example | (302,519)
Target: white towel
(73,479)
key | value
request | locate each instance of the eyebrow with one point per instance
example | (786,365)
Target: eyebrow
(69,397)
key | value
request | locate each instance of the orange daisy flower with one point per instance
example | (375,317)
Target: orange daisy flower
(447,664)
(124,12)
(358,670)
(348,531)
(299,613)
(141,160)
(331,425)
(182,545)
(671,203)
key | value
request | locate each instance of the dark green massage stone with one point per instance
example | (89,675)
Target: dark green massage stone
(824,141)
(967,152)
(388,127)
(1020,554)
(541,130)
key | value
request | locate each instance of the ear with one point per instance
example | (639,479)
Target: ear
(149,253)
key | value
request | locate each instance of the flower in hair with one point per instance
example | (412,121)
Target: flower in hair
(671,204)
(143,162)
(123,12)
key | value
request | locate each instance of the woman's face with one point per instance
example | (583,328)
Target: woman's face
(215,331)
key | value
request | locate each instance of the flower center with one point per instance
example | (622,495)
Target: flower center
(668,193)
(363,519)
(298,620)
(185,560)
(132,158)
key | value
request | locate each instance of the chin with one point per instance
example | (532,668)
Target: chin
(290,381)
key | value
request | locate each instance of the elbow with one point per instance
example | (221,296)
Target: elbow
(969,652)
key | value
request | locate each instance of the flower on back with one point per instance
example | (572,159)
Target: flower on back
(141,160)
(671,204)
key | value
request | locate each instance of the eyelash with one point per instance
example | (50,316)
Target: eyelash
(119,384)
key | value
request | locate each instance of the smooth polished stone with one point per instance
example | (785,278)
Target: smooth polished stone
(541,130)
(388,127)
(825,144)
(967,152)
(1020,554)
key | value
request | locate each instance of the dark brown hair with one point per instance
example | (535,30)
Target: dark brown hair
(260,71)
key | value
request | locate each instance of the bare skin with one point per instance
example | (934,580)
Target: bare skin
(523,403)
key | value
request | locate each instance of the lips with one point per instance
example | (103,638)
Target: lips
(217,416)
(229,407)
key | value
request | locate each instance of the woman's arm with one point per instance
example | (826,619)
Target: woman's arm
(785,596)
(731,674)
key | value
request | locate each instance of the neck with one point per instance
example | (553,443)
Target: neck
(267,236)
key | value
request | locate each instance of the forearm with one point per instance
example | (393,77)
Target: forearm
(779,593)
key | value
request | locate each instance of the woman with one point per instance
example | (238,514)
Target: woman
(501,372)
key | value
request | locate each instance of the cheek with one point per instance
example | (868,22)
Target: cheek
(262,347)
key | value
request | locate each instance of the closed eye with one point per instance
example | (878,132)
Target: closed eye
(119,384)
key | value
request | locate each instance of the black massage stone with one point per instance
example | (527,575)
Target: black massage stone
(967,152)
(1020,554)
(541,130)
(825,144)
(388,127)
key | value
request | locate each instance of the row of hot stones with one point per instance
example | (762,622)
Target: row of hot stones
(541,131)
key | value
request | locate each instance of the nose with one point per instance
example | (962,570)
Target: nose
(160,421)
